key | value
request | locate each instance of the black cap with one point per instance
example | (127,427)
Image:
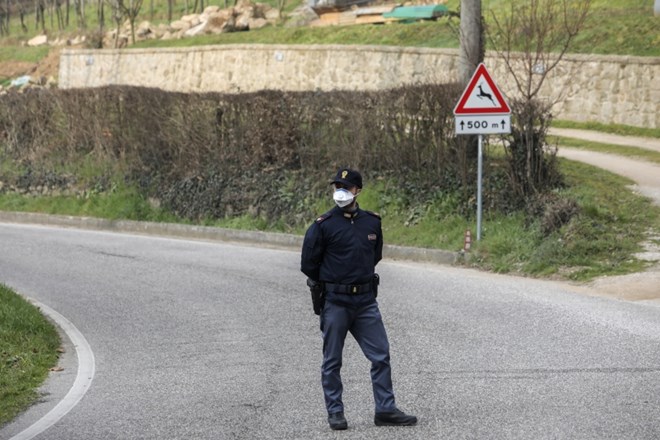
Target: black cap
(348,177)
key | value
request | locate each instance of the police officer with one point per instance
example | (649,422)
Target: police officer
(340,252)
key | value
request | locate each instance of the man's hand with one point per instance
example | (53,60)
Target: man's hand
(316,288)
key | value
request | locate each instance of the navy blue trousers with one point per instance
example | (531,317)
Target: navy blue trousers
(365,323)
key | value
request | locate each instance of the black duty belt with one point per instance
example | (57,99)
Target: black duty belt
(349,289)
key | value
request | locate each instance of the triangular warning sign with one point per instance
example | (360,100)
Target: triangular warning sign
(481,96)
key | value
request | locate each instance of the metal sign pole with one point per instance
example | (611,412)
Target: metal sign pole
(482,110)
(479,171)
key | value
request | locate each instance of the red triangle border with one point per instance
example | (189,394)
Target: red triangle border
(479,73)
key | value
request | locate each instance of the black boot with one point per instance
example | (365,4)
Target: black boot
(394,418)
(337,421)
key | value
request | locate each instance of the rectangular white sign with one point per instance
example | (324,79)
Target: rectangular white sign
(483,124)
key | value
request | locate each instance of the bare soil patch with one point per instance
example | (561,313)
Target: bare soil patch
(47,67)
(13,69)
(50,65)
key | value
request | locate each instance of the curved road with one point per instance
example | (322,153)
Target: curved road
(208,340)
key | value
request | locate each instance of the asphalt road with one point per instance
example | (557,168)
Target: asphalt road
(208,340)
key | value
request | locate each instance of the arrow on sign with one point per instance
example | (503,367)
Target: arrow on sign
(483,124)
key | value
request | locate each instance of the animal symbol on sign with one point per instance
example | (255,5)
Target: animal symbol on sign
(483,95)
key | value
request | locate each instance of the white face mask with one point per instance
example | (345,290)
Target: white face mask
(343,197)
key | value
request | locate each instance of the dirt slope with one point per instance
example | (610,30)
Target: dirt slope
(47,67)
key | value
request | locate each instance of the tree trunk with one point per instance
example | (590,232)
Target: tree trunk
(471,40)
(8,12)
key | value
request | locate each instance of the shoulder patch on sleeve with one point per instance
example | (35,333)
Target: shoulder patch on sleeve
(322,218)
(375,214)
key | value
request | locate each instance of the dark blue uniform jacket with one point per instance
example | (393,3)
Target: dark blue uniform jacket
(343,248)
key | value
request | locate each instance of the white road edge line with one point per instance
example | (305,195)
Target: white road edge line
(86,369)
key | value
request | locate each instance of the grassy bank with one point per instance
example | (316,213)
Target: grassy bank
(623,27)
(623,130)
(600,240)
(28,349)
(630,152)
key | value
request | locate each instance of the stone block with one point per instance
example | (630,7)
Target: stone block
(211,9)
(257,23)
(39,40)
(180,25)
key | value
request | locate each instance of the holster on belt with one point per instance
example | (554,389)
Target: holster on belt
(316,288)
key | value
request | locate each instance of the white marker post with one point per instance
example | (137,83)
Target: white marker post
(482,110)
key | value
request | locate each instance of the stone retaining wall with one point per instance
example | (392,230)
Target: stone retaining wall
(607,89)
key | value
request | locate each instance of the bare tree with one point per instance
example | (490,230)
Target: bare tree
(531,38)
(39,14)
(122,9)
(117,16)
(79,6)
(199,5)
(56,11)
(132,11)
(100,16)
(4,19)
(21,14)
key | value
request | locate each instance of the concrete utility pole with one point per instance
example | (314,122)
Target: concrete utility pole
(471,39)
